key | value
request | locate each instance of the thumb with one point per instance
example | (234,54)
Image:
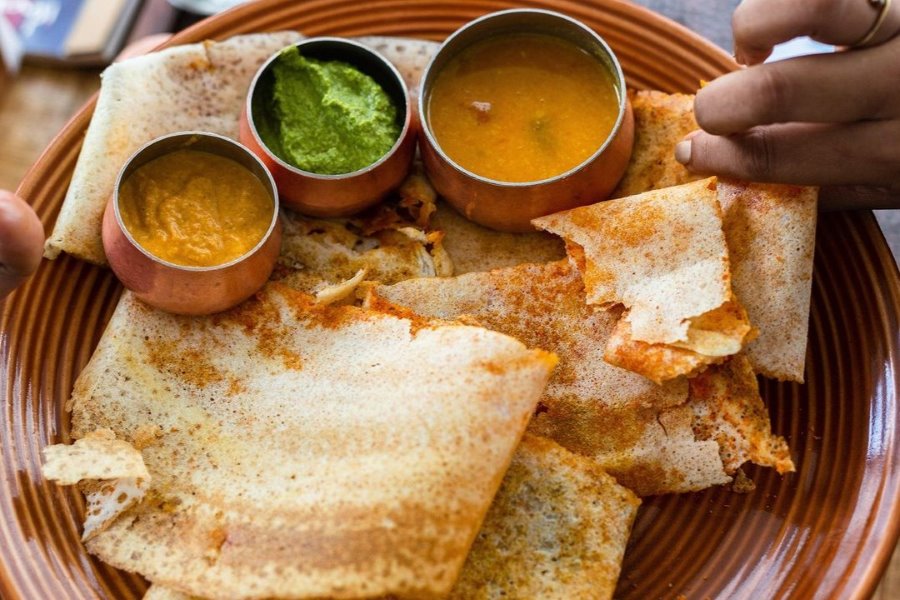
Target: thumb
(21,241)
(798,153)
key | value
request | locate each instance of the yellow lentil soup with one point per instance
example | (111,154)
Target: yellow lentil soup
(522,107)
(195,208)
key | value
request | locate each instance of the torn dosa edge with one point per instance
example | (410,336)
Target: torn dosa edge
(111,472)
(663,256)
(642,433)
(769,228)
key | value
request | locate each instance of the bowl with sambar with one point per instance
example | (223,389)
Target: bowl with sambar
(524,113)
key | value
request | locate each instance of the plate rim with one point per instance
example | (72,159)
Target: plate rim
(867,576)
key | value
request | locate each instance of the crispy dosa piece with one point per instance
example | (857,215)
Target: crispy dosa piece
(193,87)
(712,338)
(771,235)
(556,529)
(660,121)
(97,455)
(306,451)
(112,473)
(770,230)
(474,248)
(728,409)
(640,432)
(662,254)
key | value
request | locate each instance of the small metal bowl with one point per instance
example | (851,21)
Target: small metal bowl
(348,193)
(510,206)
(182,289)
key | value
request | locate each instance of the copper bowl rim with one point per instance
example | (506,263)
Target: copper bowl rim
(338,41)
(427,81)
(220,138)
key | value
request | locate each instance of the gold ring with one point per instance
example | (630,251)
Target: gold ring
(882,6)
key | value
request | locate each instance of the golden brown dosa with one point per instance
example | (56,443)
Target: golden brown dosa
(186,88)
(770,231)
(643,434)
(771,235)
(662,254)
(305,451)
(660,121)
(556,529)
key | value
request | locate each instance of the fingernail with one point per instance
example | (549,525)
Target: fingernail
(683,152)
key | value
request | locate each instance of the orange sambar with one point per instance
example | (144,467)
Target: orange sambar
(522,107)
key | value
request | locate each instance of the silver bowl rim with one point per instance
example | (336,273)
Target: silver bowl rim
(276,212)
(404,131)
(617,72)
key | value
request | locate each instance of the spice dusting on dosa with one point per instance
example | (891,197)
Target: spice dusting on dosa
(376,441)
(770,230)
(556,529)
(642,433)
(663,256)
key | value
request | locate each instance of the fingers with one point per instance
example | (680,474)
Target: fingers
(761,24)
(855,197)
(800,153)
(21,241)
(844,87)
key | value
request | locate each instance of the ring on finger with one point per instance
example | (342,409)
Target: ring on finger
(883,6)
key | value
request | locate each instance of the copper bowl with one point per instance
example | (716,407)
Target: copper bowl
(510,206)
(347,193)
(182,289)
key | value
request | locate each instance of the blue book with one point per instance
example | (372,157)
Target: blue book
(85,32)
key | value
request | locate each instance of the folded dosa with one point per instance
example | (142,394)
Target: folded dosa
(556,529)
(640,432)
(192,87)
(771,235)
(770,231)
(660,121)
(304,451)
(663,256)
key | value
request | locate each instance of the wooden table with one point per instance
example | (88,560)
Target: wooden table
(38,103)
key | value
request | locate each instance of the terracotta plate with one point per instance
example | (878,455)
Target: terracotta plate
(826,531)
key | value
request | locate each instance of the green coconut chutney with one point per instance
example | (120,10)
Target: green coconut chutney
(329,117)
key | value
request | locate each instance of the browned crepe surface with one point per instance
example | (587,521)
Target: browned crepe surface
(304,451)
(643,434)
(660,121)
(556,529)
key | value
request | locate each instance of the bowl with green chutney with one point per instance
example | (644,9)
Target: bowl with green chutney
(332,121)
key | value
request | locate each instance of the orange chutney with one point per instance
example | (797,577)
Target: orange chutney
(522,107)
(195,208)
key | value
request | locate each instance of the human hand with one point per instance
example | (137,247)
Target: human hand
(21,242)
(831,120)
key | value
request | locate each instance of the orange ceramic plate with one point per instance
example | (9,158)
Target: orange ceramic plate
(826,531)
